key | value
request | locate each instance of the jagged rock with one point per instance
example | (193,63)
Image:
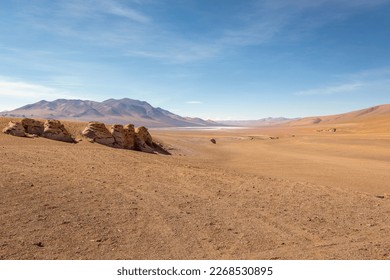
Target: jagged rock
(144,136)
(55,130)
(97,132)
(144,141)
(129,137)
(124,136)
(212,140)
(118,133)
(32,126)
(15,128)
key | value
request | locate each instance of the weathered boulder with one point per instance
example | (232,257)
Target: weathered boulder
(129,137)
(32,126)
(55,130)
(124,136)
(144,141)
(97,132)
(15,128)
(118,133)
(144,135)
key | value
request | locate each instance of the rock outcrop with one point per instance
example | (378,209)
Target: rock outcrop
(33,127)
(144,141)
(97,132)
(124,136)
(51,129)
(129,137)
(119,136)
(15,128)
(144,135)
(55,130)
(327,130)
(118,132)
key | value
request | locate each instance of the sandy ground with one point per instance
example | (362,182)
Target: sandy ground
(314,195)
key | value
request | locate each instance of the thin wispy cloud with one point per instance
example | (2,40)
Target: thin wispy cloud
(139,35)
(194,102)
(94,8)
(178,54)
(371,74)
(338,89)
(88,22)
(20,89)
(118,10)
(369,81)
(270,19)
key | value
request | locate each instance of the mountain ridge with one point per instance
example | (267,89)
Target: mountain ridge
(356,116)
(121,111)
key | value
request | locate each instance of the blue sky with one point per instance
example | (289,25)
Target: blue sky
(218,59)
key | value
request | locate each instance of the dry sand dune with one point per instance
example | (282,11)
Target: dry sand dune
(311,196)
(373,119)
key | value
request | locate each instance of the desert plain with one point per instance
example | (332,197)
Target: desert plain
(310,189)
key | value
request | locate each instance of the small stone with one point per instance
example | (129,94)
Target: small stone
(39,244)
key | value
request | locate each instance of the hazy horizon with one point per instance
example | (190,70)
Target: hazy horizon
(225,60)
(216,120)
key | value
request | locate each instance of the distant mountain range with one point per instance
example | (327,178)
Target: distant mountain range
(368,118)
(120,111)
(257,123)
(124,111)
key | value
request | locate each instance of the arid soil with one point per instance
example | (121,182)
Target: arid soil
(302,195)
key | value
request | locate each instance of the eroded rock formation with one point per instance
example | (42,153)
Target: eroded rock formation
(33,127)
(15,128)
(98,132)
(119,136)
(124,136)
(144,141)
(55,130)
(129,137)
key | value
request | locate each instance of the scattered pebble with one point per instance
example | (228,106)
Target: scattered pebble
(39,244)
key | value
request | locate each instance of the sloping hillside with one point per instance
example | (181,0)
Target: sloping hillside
(120,111)
(375,118)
